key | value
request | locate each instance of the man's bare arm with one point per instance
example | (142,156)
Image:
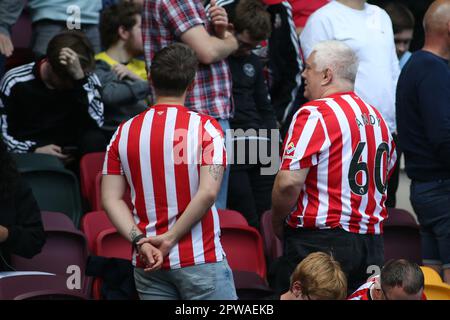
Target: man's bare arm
(285,193)
(113,189)
(209,49)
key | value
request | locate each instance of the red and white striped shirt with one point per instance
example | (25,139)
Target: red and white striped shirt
(160,152)
(350,153)
(363,292)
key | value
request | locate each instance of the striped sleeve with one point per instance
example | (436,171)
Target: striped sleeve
(96,108)
(112,164)
(213,144)
(306,139)
(12,78)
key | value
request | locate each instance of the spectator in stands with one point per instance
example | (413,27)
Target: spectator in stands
(423,96)
(301,10)
(399,280)
(174,159)
(317,277)
(367,29)
(50,104)
(403,23)
(280,56)
(249,190)
(123,77)
(9,13)
(169,21)
(50,18)
(329,194)
(21,230)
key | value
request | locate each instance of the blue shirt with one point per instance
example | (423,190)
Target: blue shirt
(423,116)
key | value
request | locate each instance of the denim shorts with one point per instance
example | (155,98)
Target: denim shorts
(209,281)
(431,203)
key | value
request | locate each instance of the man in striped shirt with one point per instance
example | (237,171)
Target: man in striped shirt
(329,194)
(173,159)
(399,280)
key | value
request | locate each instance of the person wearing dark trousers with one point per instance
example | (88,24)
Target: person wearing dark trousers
(249,188)
(423,95)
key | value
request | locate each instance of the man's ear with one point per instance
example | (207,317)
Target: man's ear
(327,76)
(123,33)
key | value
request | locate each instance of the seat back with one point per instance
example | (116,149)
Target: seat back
(37,286)
(92,224)
(231,217)
(111,244)
(273,247)
(401,237)
(65,249)
(244,249)
(55,190)
(90,165)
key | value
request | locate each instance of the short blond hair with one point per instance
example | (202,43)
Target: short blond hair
(320,277)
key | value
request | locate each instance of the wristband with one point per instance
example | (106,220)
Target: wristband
(136,240)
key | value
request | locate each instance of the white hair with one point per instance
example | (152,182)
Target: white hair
(338,57)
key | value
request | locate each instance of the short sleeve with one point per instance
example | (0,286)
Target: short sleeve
(181,15)
(213,144)
(305,140)
(112,164)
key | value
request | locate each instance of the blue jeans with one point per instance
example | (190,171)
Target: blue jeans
(431,203)
(221,201)
(209,281)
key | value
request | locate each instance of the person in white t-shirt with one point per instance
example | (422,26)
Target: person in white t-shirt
(367,29)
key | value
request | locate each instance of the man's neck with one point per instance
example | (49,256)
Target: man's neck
(119,53)
(177,101)
(354,4)
(437,47)
(337,89)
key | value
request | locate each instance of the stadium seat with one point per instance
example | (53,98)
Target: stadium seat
(244,249)
(65,250)
(90,165)
(34,286)
(92,224)
(34,161)
(230,217)
(97,205)
(249,286)
(435,288)
(401,237)
(55,188)
(273,247)
(111,244)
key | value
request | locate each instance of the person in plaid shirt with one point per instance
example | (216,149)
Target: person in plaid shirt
(168,21)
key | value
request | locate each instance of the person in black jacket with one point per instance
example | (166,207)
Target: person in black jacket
(249,190)
(21,230)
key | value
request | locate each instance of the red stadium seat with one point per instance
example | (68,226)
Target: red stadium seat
(273,248)
(230,217)
(92,224)
(111,244)
(243,246)
(90,165)
(401,236)
(65,247)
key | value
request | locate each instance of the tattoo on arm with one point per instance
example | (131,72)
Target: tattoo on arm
(133,233)
(215,171)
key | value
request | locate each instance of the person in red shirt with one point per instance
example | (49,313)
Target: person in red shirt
(173,160)
(329,194)
(399,280)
